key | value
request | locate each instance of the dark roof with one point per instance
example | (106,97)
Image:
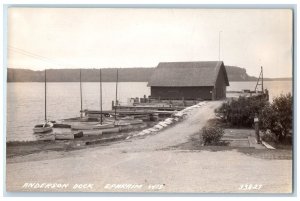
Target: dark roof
(200,73)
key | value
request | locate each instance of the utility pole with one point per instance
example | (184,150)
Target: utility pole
(220,45)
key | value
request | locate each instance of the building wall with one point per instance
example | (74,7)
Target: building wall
(188,93)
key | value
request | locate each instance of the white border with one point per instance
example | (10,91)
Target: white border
(161,2)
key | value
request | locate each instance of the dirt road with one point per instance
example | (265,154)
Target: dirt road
(146,164)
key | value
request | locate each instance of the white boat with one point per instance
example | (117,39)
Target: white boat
(43,128)
(47,126)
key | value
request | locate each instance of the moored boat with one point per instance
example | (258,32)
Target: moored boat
(43,128)
(64,136)
(47,126)
(128,122)
(83,126)
(69,135)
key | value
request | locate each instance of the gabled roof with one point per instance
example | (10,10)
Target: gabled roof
(187,74)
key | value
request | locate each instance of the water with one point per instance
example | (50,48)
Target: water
(25,101)
(25,105)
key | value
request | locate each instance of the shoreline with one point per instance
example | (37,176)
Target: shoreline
(23,148)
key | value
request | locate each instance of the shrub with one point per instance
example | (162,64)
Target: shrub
(277,117)
(241,112)
(212,135)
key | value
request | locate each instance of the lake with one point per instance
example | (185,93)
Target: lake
(25,101)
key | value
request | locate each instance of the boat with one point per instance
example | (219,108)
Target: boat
(98,132)
(45,136)
(69,135)
(110,130)
(43,128)
(92,132)
(64,136)
(84,126)
(128,122)
(47,126)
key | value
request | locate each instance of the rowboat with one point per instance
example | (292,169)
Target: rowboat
(83,126)
(92,132)
(45,137)
(43,128)
(110,130)
(64,136)
(128,122)
(69,135)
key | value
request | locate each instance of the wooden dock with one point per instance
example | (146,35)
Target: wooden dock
(149,107)
(127,112)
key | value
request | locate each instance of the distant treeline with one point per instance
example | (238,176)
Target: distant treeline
(87,75)
(108,75)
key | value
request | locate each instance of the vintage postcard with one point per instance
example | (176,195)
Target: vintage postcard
(177,100)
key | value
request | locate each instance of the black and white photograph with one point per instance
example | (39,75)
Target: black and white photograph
(149,99)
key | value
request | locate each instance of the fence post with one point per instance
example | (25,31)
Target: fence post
(256,125)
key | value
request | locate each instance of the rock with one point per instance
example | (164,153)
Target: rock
(162,124)
(152,129)
(159,127)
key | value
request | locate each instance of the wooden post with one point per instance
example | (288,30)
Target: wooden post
(80,95)
(101,117)
(45,95)
(116,95)
(256,125)
(262,80)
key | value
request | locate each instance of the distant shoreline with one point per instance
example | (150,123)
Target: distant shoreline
(265,79)
(235,74)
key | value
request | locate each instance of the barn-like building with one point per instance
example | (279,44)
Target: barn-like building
(206,80)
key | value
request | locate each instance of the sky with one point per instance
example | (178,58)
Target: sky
(40,38)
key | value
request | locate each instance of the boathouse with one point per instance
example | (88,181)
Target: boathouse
(202,80)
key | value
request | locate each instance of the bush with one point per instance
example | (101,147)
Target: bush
(241,112)
(212,135)
(277,117)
